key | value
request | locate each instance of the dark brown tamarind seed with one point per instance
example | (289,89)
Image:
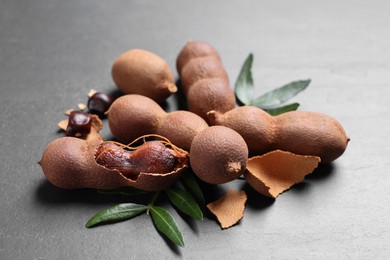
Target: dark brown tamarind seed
(79,123)
(99,103)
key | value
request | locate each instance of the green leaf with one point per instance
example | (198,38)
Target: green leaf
(192,186)
(116,213)
(283,109)
(184,202)
(244,84)
(280,95)
(166,224)
(130,191)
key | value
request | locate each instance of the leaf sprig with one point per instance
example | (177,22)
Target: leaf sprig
(162,219)
(272,101)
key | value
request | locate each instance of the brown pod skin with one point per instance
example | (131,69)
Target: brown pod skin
(310,133)
(69,163)
(253,124)
(131,116)
(202,68)
(299,132)
(142,72)
(218,155)
(180,127)
(195,50)
(208,93)
(204,80)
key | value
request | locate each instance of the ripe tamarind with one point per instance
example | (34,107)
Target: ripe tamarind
(204,80)
(131,116)
(218,155)
(142,72)
(299,132)
(74,163)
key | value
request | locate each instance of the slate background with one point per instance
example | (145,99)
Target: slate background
(53,52)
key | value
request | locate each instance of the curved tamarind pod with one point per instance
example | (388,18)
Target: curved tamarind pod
(73,163)
(299,132)
(131,116)
(204,80)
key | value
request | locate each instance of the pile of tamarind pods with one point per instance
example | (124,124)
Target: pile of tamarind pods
(214,137)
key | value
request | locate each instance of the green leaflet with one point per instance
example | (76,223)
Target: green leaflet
(280,110)
(280,95)
(184,202)
(192,186)
(116,213)
(271,101)
(161,218)
(166,224)
(244,84)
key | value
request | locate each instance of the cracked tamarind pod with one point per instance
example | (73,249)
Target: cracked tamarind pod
(204,80)
(74,163)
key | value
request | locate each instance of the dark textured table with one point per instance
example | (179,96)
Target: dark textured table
(53,52)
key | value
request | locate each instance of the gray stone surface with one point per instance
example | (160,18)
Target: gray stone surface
(53,52)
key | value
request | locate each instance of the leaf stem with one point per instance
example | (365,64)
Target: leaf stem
(151,203)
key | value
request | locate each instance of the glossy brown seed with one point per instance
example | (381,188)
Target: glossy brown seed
(99,103)
(79,124)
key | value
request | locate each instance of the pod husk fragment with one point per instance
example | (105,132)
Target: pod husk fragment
(229,209)
(275,172)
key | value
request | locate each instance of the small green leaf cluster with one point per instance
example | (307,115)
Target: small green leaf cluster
(164,222)
(272,101)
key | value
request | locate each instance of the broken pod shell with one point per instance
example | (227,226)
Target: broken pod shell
(275,172)
(229,209)
(71,163)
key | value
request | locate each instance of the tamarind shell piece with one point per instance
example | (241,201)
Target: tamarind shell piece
(69,163)
(229,209)
(275,172)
